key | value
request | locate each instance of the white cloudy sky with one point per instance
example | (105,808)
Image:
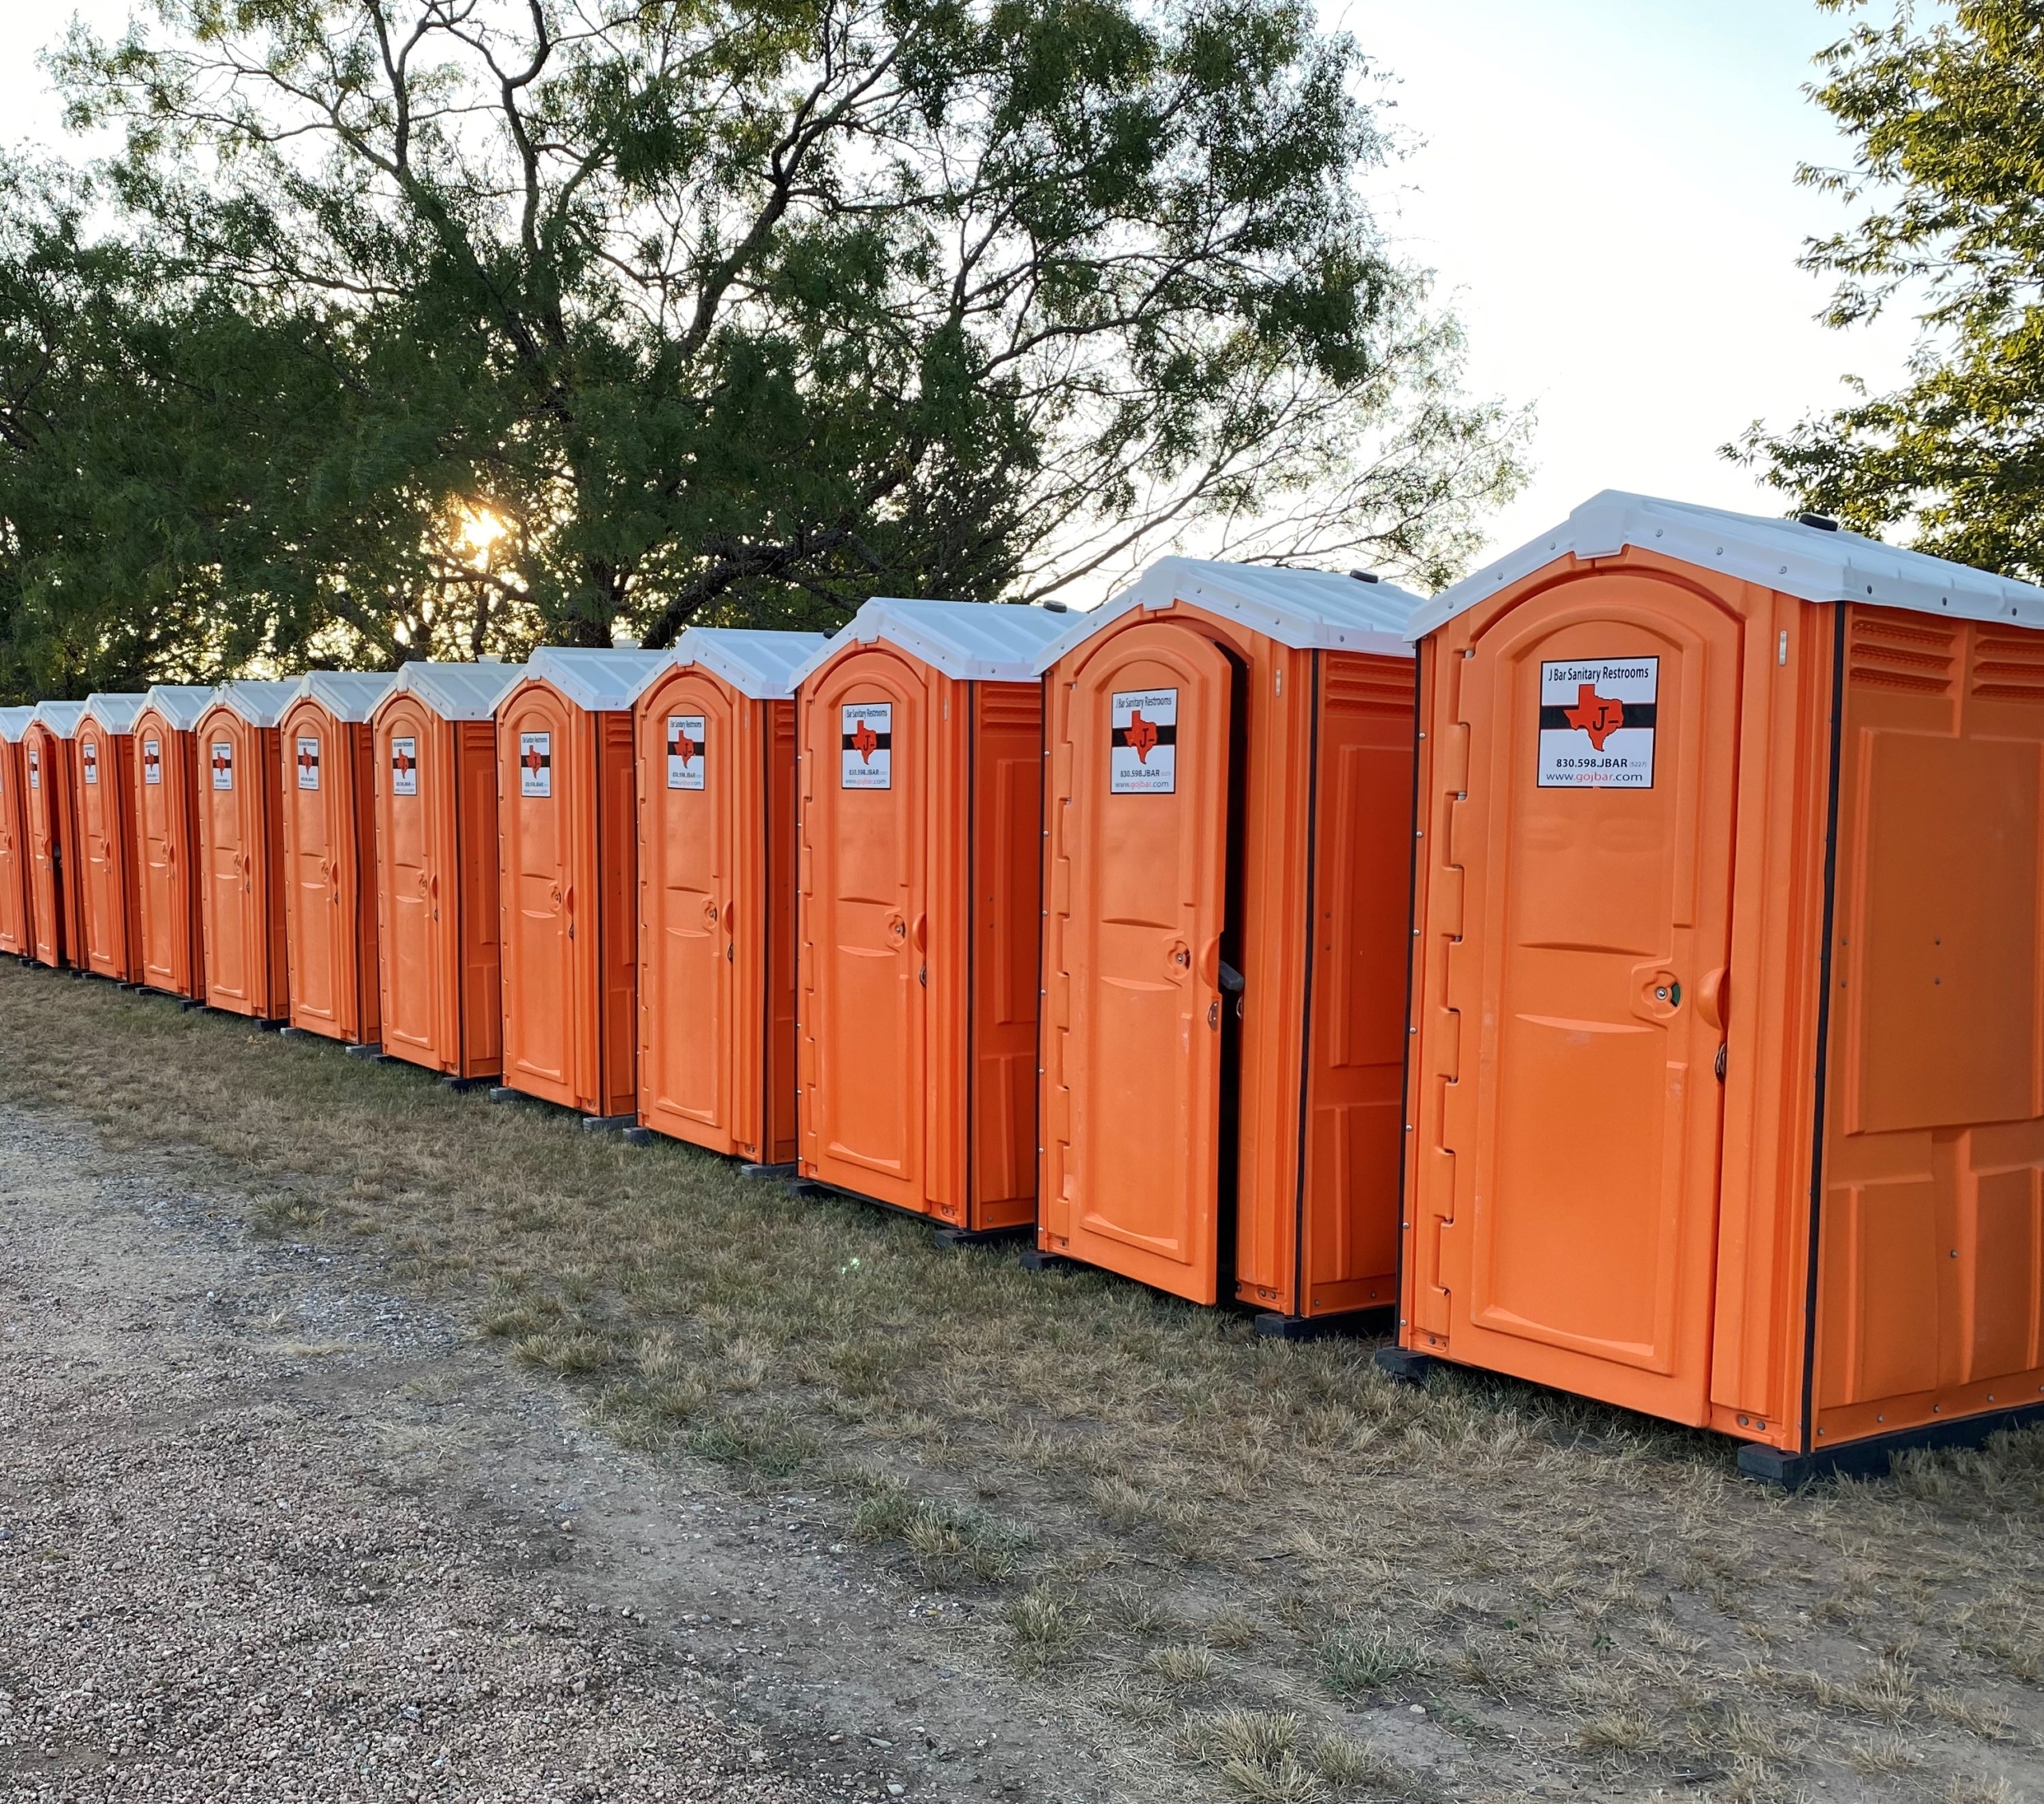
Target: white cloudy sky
(1605,187)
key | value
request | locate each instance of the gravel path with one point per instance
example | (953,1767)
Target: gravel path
(267,1532)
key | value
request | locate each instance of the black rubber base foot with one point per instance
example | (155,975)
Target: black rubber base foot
(368,1049)
(281,1025)
(746,1170)
(1872,1458)
(609,1124)
(187,1002)
(293,1034)
(1405,1365)
(1377,1319)
(1035,1259)
(631,1136)
(961,1240)
(808,1190)
(504,1093)
(463,1085)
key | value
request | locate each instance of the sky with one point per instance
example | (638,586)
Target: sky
(1605,189)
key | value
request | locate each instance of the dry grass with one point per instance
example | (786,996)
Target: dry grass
(1254,1556)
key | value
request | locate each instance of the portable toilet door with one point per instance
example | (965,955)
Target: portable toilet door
(919,728)
(51,801)
(716,768)
(109,907)
(330,855)
(16,932)
(1727,1090)
(568,833)
(241,848)
(1228,865)
(435,747)
(170,875)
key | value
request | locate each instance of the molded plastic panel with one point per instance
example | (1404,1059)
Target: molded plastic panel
(15,934)
(1138,892)
(1595,852)
(108,903)
(1931,1247)
(700,773)
(240,823)
(1007,901)
(170,895)
(543,759)
(866,764)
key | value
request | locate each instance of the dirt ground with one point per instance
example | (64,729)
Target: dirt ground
(365,1440)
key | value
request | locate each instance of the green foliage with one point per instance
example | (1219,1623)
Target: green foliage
(422,330)
(1945,122)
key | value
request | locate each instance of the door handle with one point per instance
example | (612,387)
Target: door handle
(1713,998)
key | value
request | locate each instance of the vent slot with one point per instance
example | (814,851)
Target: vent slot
(2007,667)
(1894,653)
(1383,685)
(1011,704)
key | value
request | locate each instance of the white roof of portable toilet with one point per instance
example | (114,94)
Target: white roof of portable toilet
(968,641)
(14,722)
(115,710)
(457,691)
(1811,562)
(602,682)
(348,695)
(61,718)
(180,703)
(762,665)
(260,704)
(1307,610)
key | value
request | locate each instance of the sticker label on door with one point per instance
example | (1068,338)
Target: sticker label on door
(536,764)
(684,751)
(222,764)
(869,746)
(1597,721)
(1142,752)
(35,768)
(88,759)
(308,764)
(152,761)
(404,767)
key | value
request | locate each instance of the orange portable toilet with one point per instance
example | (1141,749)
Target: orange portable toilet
(16,932)
(1224,937)
(241,848)
(567,840)
(438,925)
(919,728)
(716,893)
(330,855)
(1727,1084)
(111,945)
(51,804)
(170,889)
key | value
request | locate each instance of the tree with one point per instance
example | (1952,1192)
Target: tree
(581,316)
(1947,121)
